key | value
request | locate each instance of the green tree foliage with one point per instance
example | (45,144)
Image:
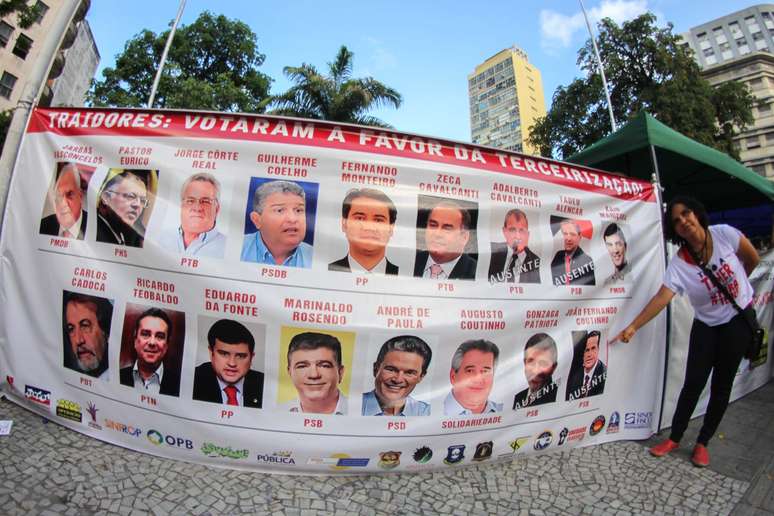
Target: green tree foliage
(646,68)
(334,96)
(212,64)
(27,13)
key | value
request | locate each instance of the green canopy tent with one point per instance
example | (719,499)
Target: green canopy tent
(645,145)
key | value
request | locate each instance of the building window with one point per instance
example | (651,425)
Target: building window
(759,169)
(744,49)
(42,10)
(736,32)
(22,47)
(769,138)
(711,59)
(764,109)
(6,31)
(752,143)
(756,83)
(7,82)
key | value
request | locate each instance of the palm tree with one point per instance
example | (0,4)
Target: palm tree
(335,96)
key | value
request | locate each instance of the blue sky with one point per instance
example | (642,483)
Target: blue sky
(425,49)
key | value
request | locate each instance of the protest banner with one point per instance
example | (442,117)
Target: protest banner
(311,297)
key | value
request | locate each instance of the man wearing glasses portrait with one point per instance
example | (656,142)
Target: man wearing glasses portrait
(121,208)
(199,208)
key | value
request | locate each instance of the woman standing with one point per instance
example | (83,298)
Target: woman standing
(720,334)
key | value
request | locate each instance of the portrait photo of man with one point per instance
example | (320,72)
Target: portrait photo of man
(540,361)
(571,266)
(228,378)
(199,208)
(615,243)
(443,241)
(315,367)
(367,220)
(513,261)
(86,326)
(588,373)
(279,216)
(472,376)
(68,200)
(122,208)
(153,369)
(400,366)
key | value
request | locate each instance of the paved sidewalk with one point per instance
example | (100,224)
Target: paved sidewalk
(48,469)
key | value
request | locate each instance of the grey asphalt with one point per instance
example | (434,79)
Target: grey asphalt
(49,469)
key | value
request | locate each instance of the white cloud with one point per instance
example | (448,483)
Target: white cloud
(558,30)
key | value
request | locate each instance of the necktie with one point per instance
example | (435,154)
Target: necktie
(231,392)
(586,385)
(567,262)
(511,270)
(435,271)
(66,234)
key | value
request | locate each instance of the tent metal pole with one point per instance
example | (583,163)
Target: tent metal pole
(656,180)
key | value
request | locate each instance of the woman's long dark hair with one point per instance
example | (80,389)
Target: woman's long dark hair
(692,204)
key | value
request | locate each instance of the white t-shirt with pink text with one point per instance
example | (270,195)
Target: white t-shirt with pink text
(683,276)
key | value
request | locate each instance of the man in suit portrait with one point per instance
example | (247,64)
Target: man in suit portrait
(513,261)
(445,236)
(588,380)
(571,266)
(227,377)
(152,333)
(367,219)
(615,243)
(69,218)
(540,361)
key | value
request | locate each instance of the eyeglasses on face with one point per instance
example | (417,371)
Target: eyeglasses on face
(130,197)
(204,202)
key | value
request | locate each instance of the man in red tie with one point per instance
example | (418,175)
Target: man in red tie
(227,377)
(571,266)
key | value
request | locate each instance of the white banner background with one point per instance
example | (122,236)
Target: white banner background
(36,269)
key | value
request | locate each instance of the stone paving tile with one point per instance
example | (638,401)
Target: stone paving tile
(48,469)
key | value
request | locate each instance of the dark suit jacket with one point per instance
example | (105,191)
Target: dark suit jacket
(50,226)
(107,228)
(596,383)
(548,397)
(343,266)
(465,268)
(207,388)
(170,383)
(580,261)
(530,269)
